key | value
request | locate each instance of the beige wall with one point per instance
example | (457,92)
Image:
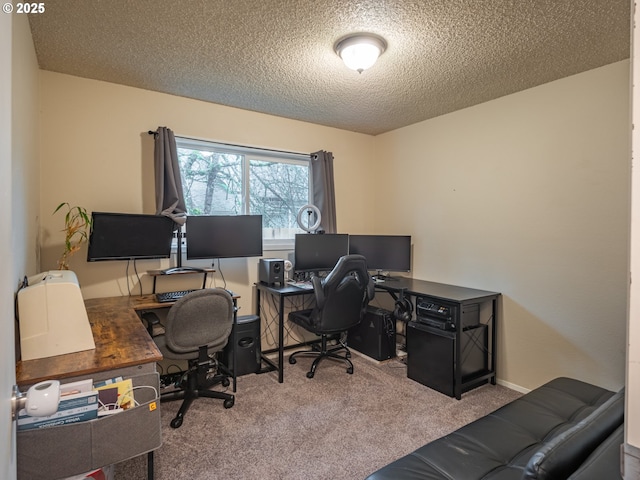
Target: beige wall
(526,195)
(632,404)
(7,370)
(25,151)
(96,153)
(19,187)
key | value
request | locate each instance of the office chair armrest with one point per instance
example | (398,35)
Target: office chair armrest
(319,291)
(154,327)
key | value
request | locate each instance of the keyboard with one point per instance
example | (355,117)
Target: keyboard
(303,285)
(165,297)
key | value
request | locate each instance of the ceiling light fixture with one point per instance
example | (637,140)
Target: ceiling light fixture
(360,51)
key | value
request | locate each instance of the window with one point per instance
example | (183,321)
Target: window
(220,179)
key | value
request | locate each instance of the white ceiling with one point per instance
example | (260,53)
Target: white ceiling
(277,57)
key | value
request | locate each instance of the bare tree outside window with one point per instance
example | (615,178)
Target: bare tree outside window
(212,182)
(217,182)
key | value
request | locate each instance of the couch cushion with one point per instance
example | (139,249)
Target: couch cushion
(563,454)
(499,445)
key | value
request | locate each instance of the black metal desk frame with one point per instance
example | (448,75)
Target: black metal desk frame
(282,292)
(401,287)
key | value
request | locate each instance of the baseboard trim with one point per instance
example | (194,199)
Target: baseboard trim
(630,462)
(512,386)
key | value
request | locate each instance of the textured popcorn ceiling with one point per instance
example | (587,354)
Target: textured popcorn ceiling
(277,57)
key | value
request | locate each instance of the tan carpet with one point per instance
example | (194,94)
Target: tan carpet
(334,426)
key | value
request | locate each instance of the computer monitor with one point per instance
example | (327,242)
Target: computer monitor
(129,236)
(383,252)
(223,236)
(319,252)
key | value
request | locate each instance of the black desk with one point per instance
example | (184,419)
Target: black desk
(281,293)
(410,288)
(442,291)
(456,297)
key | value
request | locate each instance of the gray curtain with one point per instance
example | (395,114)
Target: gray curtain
(169,196)
(324,194)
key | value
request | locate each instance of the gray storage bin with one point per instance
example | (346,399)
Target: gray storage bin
(58,452)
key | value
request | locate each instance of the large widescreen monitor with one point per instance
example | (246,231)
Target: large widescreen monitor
(383,252)
(129,236)
(319,252)
(223,236)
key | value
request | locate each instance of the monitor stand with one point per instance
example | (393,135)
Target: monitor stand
(379,277)
(179,268)
(170,271)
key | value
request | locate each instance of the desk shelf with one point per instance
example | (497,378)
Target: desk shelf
(162,273)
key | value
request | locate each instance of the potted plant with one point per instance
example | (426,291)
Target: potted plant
(77,224)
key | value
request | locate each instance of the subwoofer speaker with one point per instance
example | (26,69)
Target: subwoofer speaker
(271,271)
(247,346)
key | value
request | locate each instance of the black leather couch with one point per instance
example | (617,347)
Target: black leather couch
(565,429)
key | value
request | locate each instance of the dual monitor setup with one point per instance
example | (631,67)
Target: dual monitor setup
(126,236)
(318,253)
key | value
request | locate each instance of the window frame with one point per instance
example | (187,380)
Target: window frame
(257,154)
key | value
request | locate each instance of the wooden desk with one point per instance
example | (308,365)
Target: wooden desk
(121,342)
(123,348)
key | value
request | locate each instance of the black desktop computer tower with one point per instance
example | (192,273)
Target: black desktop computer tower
(431,355)
(247,346)
(375,335)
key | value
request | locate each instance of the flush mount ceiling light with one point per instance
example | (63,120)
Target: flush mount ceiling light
(360,51)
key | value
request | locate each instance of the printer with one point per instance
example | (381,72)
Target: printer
(52,316)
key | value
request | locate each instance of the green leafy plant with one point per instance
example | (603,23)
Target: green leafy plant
(77,224)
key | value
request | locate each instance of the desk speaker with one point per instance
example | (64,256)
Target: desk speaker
(271,271)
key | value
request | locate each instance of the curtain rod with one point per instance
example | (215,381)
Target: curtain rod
(155,132)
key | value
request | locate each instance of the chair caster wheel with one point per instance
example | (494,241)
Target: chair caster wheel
(350,370)
(310,374)
(229,403)
(292,360)
(225,382)
(176,422)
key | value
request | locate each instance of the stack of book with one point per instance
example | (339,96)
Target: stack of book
(81,401)
(115,395)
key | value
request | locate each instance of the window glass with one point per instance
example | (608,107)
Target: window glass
(219,179)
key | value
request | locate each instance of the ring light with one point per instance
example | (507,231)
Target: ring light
(309,209)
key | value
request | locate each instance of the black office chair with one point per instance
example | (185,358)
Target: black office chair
(341,301)
(197,327)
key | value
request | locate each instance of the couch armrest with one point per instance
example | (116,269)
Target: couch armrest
(605,461)
(564,453)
